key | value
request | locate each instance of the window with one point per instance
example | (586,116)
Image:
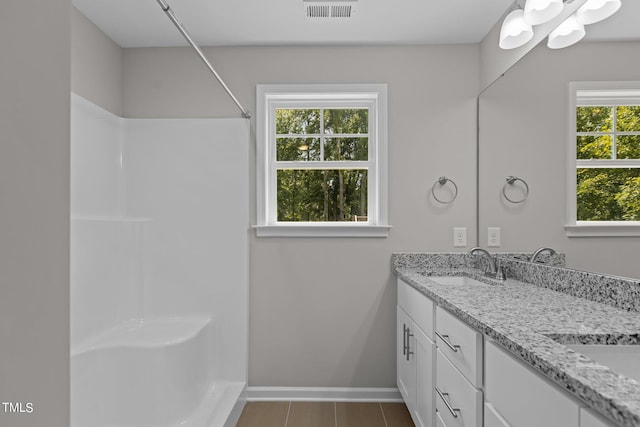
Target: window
(321,160)
(604,151)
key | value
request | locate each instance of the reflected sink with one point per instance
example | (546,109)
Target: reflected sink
(623,359)
(457,280)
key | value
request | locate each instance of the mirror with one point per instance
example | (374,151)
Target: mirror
(523,128)
(496,61)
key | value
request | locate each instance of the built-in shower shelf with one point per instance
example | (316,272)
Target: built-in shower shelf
(145,333)
(107,218)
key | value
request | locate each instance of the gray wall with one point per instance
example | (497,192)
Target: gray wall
(523,132)
(34,210)
(96,64)
(322,311)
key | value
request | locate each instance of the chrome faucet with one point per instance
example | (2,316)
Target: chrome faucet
(539,251)
(490,261)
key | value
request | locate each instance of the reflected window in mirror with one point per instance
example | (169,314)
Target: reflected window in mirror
(604,159)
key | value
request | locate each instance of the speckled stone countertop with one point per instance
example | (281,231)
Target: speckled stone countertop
(533,323)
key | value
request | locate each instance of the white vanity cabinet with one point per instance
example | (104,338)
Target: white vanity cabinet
(416,354)
(450,375)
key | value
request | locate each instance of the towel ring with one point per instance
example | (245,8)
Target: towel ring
(511,180)
(442,181)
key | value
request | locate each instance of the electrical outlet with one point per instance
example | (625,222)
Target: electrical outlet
(459,236)
(493,236)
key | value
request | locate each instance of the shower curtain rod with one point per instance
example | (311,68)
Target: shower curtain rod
(165,7)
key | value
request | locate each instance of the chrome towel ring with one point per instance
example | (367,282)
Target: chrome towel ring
(511,180)
(442,181)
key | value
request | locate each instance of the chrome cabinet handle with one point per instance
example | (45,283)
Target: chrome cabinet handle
(453,347)
(404,339)
(446,402)
(409,335)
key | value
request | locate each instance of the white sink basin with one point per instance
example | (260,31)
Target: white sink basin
(457,280)
(623,359)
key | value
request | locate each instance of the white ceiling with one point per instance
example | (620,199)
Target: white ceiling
(138,23)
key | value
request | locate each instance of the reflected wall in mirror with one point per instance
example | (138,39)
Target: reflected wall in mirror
(524,129)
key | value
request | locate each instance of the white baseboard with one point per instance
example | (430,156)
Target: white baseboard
(323,394)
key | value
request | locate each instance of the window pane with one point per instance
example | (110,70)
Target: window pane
(594,147)
(608,194)
(322,195)
(297,149)
(346,149)
(628,118)
(594,119)
(346,121)
(293,121)
(628,147)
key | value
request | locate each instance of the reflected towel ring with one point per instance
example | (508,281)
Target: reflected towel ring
(442,181)
(511,180)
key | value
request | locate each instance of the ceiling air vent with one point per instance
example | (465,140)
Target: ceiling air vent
(329,9)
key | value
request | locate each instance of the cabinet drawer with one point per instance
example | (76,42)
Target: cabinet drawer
(492,418)
(461,395)
(461,344)
(523,397)
(418,306)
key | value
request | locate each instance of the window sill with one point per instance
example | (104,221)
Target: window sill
(322,230)
(603,229)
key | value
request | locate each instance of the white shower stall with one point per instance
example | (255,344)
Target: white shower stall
(159,270)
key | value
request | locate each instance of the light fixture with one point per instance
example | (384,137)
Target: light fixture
(567,33)
(597,10)
(515,32)
(540,11)
(517,26)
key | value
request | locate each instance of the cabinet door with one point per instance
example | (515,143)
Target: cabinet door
(589,418)
(439,421)
(425,350)
(522,396)
(404,295)
(492,418)
(405,361)
(418,306)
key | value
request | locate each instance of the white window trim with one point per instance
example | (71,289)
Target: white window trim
(267,225)
(575,228)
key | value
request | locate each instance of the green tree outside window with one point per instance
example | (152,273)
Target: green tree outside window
(608,133)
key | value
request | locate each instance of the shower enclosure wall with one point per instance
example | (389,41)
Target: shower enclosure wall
(159,265)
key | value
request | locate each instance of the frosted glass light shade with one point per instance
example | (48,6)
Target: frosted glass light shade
(540,11)
(514,31)
(597,10)
(567,33)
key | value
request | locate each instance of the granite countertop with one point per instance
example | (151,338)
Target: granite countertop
(534,322)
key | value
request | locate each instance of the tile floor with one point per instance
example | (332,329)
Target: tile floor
(325,414)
